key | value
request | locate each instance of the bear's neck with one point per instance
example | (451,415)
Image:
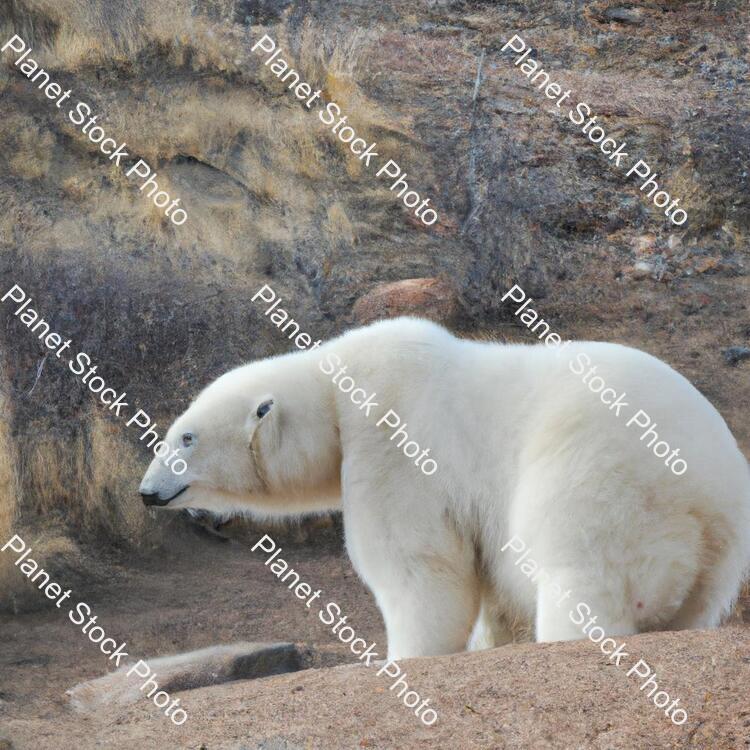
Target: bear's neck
(306,468)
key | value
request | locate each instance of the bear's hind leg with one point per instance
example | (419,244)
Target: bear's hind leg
(565,620)
(717,584)
(491,628)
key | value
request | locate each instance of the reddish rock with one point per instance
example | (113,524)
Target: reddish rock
(425,298)
(707,264)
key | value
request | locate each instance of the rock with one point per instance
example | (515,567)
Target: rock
(642,269)
(505,105)
(644,244)
(425,298)
(625,15)
(5,744)
(190,670)
(531,695)
(277,743)
(736,354)
(707,264)
(654,268)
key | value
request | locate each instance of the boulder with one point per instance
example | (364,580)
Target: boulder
(193,669)
(425,298)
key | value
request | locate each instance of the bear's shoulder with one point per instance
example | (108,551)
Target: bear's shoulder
(403,329)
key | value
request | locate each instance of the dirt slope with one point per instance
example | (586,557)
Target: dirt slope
(521,696)
(524,696)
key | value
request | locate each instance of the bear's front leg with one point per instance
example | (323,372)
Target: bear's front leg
(423,579)
(427,615)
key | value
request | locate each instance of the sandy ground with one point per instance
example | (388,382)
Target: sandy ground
(522,696)
(215,593)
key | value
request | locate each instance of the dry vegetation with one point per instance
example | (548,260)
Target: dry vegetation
(8,494)
(257,171)
(70,491)
(87,484)
(207,140)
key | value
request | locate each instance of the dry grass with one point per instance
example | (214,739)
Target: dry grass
(72,489)
(78,489)
(338,224)
(30,153)
(86,482)
(76,34)
(8,496)
(338,62)
(237,198)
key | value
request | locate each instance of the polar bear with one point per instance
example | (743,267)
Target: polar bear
(524,450)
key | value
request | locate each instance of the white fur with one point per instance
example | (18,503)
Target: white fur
(523,448)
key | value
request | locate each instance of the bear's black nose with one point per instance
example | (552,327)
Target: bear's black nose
(151,499)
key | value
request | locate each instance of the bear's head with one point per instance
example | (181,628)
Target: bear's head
(261,439)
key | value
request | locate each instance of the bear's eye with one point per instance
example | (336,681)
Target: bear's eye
(264,408)
(187,439)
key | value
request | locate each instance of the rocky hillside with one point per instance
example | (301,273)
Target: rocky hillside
(274,196)
(197,97)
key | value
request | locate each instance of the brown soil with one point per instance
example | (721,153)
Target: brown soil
(521,696)
(218,593)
